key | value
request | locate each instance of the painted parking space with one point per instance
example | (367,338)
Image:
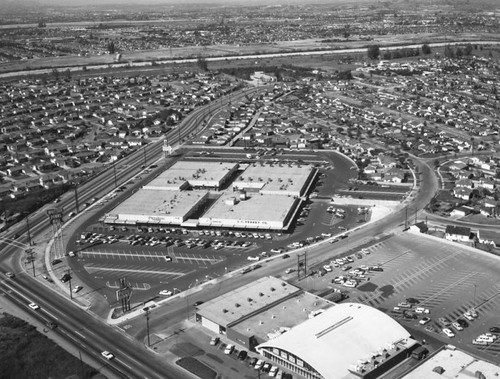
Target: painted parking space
(97,270)
(145,255)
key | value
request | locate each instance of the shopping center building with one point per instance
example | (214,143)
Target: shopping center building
(261,196)
(305,334)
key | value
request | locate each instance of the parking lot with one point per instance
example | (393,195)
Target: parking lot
(441,278)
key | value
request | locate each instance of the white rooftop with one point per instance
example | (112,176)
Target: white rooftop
(455,364)
(159,203)
(343,336)
(197,173)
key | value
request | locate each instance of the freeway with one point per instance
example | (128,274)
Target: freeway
(83,329)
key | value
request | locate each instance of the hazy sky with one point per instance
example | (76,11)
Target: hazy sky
(163,2)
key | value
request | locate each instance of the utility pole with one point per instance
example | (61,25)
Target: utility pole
(114,172)
(76,198)
(30,253)
(147,325)
(28,227)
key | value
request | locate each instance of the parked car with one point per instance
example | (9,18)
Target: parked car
(448,333)
(457,326)
(214,341)
(242,355)
(9,274)
(166,293)
(77,288)
(495,329)
(424,320)
(229,349)
(273,371)
(258,364)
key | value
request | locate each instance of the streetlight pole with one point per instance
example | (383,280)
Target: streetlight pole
(475,288)
(147,325)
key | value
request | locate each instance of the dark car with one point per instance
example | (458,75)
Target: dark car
(56,261)
(495,329)
(462,323)
(196,303)
(412,300)
(242,355)
(51,325)
(65,278)
(253,361)
(285,256)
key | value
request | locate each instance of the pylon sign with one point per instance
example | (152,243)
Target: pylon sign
(123,294)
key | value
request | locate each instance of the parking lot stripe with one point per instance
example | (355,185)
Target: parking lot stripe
(91,268)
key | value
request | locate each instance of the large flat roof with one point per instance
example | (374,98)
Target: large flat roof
(159,203)
(456,364)
(286,178)
(234,305)
(194,172)
(255,208)
(342,337)
(283,316)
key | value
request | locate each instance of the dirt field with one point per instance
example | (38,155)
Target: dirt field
(223,50)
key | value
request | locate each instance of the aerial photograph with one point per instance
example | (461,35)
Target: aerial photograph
(230,189)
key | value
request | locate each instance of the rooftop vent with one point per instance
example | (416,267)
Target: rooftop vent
(224,311)
(237,305)
(261,294)
(249,299)
(273,289)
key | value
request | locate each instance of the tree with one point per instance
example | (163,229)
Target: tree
(373,51)
(449,52)
(111,47)
(202,63)
(426,49)
(468,49)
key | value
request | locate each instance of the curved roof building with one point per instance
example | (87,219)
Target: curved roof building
(348,340)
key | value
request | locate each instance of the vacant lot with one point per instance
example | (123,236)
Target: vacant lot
(25,353)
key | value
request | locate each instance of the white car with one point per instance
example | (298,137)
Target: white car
(468,316)
(457,326)
(77,288)
(166,293)
(448,333)
(273,371)
(229,349)
(327,268)
(256,258)
(33,306)
(422,310)
(258,364)
(424,320)
(106,354)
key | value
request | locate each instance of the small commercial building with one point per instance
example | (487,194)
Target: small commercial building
(450,362)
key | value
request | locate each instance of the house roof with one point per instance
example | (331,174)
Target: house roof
(457,230)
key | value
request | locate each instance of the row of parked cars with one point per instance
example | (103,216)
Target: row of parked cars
(256,363)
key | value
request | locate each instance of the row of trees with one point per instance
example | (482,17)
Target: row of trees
(374,52)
